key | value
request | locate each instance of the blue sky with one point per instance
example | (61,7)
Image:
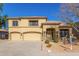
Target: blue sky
(51,10)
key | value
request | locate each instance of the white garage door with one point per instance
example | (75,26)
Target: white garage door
(32,36)
(15,36)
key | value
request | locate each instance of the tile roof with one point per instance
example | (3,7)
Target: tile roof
(65,26)
(29,17)
(51,23)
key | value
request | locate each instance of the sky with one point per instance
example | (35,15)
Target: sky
(51,10)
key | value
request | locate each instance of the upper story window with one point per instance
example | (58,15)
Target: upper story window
(15,23)
(33,23)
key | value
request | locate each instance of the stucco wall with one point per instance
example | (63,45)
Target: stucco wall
(25,22)
(18,29)
(24,25)
(50,26)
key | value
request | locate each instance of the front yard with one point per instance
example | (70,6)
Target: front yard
(35,48)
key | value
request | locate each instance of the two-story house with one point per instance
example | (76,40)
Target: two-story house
(25,28)
(36,28)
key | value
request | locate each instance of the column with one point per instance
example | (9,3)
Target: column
(57,34)
(70,31)
(44,35)
(9,36)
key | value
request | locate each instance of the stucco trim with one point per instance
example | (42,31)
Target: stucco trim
(15,32)
(32,32)
(25,27)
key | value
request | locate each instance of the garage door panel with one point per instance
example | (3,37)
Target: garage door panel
(32,36)
(15,36)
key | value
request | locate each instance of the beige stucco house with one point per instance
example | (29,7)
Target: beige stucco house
(25,28)
(36,28)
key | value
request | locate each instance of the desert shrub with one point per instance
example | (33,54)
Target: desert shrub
(46,41)
(48,45)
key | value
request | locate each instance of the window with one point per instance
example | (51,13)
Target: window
(64,32)
(33,23)
(15,23)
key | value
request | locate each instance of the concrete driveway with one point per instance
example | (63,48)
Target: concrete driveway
(33,48)
(21,48)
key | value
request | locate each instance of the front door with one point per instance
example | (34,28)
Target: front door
(51,34)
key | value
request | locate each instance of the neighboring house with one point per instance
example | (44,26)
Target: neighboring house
(36,28)
(3,34)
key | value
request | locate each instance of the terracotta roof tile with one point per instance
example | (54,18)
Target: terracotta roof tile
(51,23)
(65,26)
(29,17)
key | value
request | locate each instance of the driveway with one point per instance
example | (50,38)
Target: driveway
(34,48)
(21,48)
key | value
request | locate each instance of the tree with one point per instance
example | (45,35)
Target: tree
(70,12)
(4,21)
(1,10)
(3,18)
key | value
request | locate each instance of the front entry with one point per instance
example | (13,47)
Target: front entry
(51,35)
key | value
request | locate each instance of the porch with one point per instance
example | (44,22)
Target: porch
(55,33)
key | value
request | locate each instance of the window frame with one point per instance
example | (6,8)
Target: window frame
(33,23)
(15,23)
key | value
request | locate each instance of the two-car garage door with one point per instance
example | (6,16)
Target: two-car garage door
(32,36)
(26,36)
